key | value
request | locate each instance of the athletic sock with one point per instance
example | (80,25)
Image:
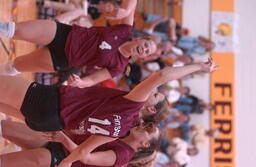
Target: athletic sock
(7,68)
(7,29)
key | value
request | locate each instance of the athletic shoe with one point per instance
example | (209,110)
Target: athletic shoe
(7,29)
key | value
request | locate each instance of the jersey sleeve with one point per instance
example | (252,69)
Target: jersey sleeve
(123,156)
(115,71)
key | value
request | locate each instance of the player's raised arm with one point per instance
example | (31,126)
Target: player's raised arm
(125,12)
(142,91)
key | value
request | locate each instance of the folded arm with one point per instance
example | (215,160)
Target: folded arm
(84,153)
(90,80)
(125,12)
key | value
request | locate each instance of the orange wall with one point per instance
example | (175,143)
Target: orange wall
(223,97)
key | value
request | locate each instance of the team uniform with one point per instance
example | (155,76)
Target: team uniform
(123,153)
(93,110)
(98,110)
(95,47)
(82,112)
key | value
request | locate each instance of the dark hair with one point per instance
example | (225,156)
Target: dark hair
(145,152)
(147,38)
(141,164)
(162,111)
(141,154)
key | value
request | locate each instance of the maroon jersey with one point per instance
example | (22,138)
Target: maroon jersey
(98,110)
(123,153)
(97,47)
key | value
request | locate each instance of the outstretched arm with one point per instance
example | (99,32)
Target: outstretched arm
(90,80)
(125,12)
(84,153)
(142,91)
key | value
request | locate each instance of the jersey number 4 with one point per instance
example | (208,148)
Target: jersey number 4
(105,45)
(97,130)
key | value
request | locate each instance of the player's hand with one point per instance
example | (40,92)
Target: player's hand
(58,136)
(64,164)
(208,66)
(76,81)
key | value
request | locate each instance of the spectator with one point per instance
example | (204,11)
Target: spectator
(175,119)
(161,159)
(180,151)
(167,29)
(195,46)
(174,94)
(199,136)
(190,104)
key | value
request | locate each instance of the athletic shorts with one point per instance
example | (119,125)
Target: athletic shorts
(57,152)
(57,47)
(41,108)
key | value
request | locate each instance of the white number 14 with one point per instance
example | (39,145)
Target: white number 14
(97,130)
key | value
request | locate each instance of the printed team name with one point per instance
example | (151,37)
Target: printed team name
(94,129)
(117,125)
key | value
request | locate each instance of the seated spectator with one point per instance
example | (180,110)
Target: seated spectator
(173,94)
(195,46)
(174,119)
(190,104)
(161,159)
(198,135)
(170,164)
(167,29)
(180,151)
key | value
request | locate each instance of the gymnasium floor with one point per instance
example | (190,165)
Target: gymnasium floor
(18,11)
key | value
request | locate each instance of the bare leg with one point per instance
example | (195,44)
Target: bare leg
(37,31)
(40,32)
(40,157)
(11,111)
(37,61)
(13,90)
(59,6)
(22,135)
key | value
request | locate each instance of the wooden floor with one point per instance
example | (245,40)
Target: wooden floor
(17,10)
(165,8)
